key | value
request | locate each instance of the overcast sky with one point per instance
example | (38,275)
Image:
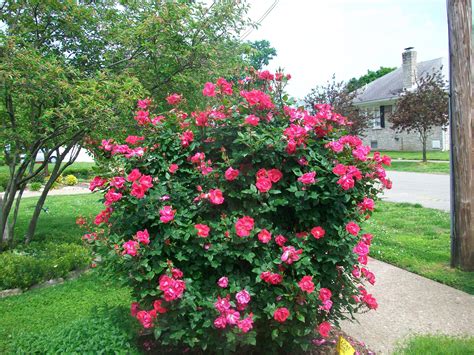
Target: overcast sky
(317,38)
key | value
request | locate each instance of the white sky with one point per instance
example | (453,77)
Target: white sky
(317,38)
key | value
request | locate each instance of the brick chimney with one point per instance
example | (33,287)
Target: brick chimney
(409,67)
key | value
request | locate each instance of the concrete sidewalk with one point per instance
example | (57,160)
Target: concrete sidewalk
(410,304)
(81,188)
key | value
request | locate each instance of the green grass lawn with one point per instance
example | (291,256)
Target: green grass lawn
(58,223)
(417,155)
(436,345)
(430,168)
(416,239)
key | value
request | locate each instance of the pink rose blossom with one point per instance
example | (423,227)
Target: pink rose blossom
(117,182)
(220,322)
(173,168)
(130,248)
(96,182)
(209,89)
(222,304)
(134,175)
(318,232)
(145,318)
(223,282)
(202,229)
(325,294)
(274,175)
(231,174)
(232,316)
(306,284)
(243,297)
(167,214)
(307,178)
(263,184)
(244,226)
(352,228)
(216,197)
(134,139)
(264,236)
(246,324)
(290,255)
(280,240)
(281,314)
(324,328)
(134,307)
(173,99)
(252,120)
(143,237)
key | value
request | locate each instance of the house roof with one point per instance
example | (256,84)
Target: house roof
(390,85)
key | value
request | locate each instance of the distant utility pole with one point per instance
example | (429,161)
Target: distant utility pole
(461,124)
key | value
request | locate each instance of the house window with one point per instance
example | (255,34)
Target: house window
(375,114)
(373,144)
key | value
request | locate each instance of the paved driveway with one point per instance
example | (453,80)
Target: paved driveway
(429,190)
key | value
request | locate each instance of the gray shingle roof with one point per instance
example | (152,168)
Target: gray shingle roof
(390,85)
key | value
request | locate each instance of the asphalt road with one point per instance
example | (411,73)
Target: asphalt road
(429,190)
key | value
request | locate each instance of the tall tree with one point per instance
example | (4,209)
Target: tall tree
(422,109)
(337,95)
(261,52)
(70,71)
(356,83)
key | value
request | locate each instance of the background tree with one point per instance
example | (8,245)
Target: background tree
(337,95)
(261,52)
(356,83)
(73,70)
(422,109)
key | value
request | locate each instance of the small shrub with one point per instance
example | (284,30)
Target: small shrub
(70,180)
(81,172)
(22,268)
(4,178)
(35,186)
(237,226)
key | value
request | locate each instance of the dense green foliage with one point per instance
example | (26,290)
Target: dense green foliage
(38,317)
(21,268)
(356,83)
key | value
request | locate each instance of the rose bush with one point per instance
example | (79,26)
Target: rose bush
(239,225)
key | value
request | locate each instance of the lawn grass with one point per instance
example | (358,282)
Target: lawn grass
(417,155)
(57,220)
(430,168)
(416,239)
(436,345)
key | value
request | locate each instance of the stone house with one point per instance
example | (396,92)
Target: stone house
(379,98)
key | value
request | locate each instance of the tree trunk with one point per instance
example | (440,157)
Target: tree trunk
(15,216)
(424,150)
(5,228)
(57,170)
